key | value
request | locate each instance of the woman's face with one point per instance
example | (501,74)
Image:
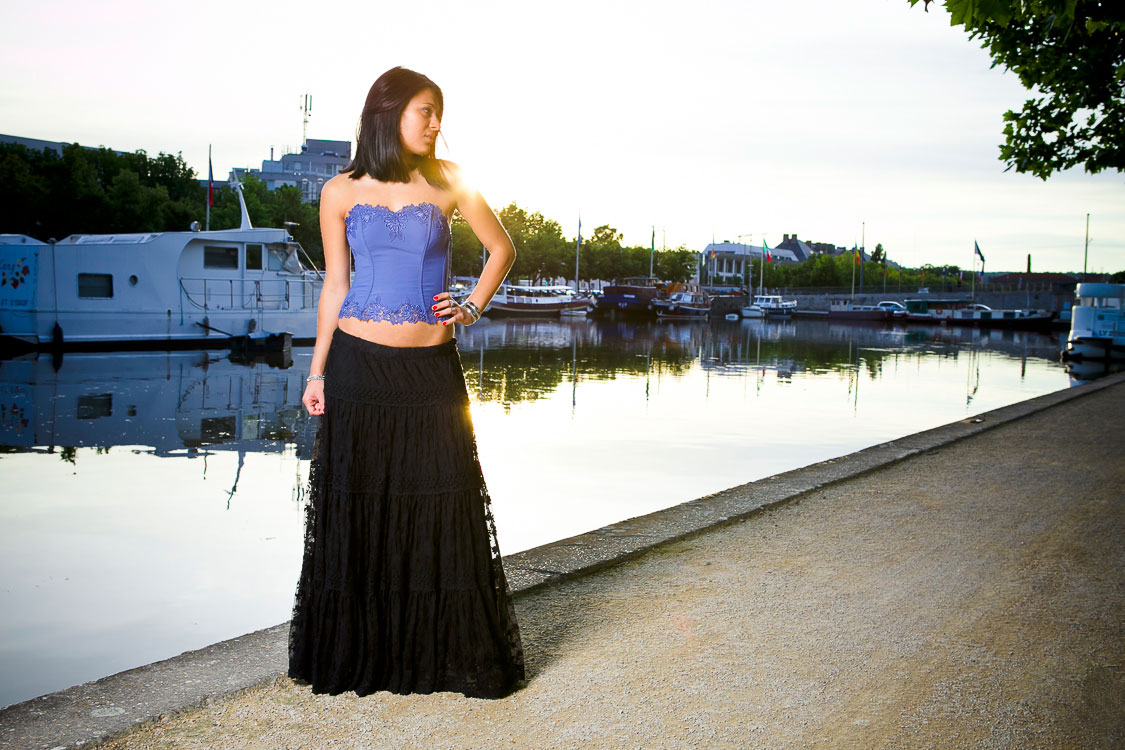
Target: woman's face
(420,123)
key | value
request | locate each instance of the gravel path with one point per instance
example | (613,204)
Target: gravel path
(973,596)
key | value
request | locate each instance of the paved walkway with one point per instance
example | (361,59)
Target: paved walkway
(971,596)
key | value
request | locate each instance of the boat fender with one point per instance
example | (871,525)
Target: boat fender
(57,336)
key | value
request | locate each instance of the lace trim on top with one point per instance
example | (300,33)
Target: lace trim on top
(376,310)
(362,213)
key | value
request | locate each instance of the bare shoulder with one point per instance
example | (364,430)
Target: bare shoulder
(337,188)
(335,194)
(455,177)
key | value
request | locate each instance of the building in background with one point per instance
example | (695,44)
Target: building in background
(801,250)
(317,163)
(35,144)
(729,262)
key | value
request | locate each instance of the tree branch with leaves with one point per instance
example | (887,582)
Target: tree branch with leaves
(1070,54)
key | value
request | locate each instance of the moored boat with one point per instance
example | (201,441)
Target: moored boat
(774,306)
(193,288)
(752,311)
(633,295)
(965,312)
(683,305)
(844,309)
(1097,323)
(514,299)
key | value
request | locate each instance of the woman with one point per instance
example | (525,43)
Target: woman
(401,587)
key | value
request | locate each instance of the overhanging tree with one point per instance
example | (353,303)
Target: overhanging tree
(1071,55)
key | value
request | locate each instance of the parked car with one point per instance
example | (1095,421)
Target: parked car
(896,309)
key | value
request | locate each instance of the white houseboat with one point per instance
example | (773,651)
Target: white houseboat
(162,289)
(1097,323)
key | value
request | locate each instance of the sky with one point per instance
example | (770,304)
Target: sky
(864,122)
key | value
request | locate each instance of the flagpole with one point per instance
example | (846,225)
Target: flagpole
(973,280)
(210,180)
(862,248)
(853,274)
(652,254)
(577,249)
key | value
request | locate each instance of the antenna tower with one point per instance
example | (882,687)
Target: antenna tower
(306,112)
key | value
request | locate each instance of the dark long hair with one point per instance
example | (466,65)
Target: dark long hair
(379,150)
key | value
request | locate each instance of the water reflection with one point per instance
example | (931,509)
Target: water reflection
(174,403)
(177,403)
(511,361)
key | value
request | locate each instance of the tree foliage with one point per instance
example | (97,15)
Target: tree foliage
(543,253)
(1071,55)
(45,194)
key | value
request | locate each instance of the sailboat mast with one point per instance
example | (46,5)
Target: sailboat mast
(577,249)
(652,253)
(1086,253)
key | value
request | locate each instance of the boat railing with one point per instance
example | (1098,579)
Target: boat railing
(249,294)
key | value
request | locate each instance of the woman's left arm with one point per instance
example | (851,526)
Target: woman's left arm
(487,228)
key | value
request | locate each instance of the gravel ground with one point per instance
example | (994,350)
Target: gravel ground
(973,596)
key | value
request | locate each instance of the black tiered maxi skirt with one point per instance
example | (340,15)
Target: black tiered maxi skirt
(402,587)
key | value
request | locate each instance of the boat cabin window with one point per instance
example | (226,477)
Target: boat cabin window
(277,258)
(254,257)
(220,257)
(93,406)
(95,285)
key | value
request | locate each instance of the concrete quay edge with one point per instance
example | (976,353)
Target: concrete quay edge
(99,710)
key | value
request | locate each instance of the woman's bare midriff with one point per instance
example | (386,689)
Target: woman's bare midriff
(400,334)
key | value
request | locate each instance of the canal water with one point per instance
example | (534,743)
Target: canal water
(153,502)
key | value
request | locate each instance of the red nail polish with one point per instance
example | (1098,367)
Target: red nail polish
(434,307)
(435,296)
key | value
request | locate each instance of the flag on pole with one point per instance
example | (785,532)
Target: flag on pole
(857,262)
(979,253)
(210,180)
(579,230)
(766,248)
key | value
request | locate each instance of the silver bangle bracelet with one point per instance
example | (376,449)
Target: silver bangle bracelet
(311,378)
(474,311)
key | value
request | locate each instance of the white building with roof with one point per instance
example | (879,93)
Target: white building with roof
(720,262)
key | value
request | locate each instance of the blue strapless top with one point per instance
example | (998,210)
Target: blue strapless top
(401,262)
